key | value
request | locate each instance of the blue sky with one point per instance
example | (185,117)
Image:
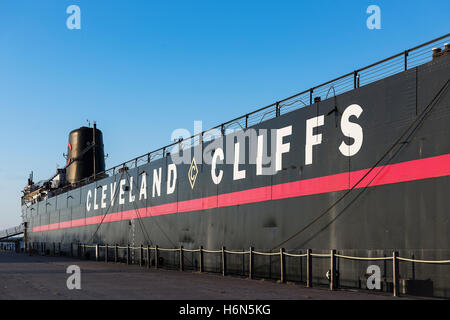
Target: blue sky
(144,68)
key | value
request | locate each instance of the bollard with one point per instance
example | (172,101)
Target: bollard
(308,269)
(181,259)
(395,273)
(223,261)
(106,253)
(96,252)
(201,259)
(156,257)
(141,256)
(148,256)
(250,263)
(282,269)
(128,254)
(332,269)
(116,253)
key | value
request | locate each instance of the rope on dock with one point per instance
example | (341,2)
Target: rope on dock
(267,253)
(423,261)
(236,252)
(363,258)
(295,255)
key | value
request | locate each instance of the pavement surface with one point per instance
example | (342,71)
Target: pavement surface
(45,278)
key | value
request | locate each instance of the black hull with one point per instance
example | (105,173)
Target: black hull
(407,210)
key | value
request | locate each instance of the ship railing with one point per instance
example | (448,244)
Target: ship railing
(11,232)
(247,263)
(403,61)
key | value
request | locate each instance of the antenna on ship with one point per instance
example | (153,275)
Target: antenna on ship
(94,147)
(30,179)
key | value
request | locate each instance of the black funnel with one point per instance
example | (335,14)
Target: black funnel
(81,154)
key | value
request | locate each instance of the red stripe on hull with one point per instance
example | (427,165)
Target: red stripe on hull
(394,173)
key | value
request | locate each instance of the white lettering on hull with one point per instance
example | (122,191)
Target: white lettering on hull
(260,146)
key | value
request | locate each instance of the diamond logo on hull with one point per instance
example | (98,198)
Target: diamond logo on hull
(193,172)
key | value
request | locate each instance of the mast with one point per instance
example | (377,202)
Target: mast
(93,140)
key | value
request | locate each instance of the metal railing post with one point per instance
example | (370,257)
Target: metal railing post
(250,263)
(308,269)
(97,252)
(395,273)
(128,254)
(54,249)
(282,269)
(106,252)
(332,269)
(141,256)
(116,253)
(223,261)
(59,248)
(156,257)
(406,60)
(201,259)
(181,259)
(148,256)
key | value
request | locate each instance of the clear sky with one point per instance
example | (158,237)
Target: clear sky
(144,68)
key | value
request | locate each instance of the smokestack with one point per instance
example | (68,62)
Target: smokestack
(84,157)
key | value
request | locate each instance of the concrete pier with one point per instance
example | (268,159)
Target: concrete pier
(41,277)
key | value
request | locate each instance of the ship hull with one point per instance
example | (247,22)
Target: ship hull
(402,204)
